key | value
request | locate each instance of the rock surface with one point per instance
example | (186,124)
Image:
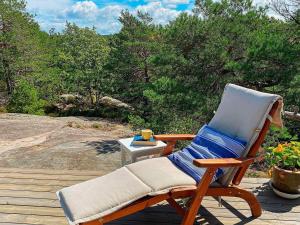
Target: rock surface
(43,142)
(114,103)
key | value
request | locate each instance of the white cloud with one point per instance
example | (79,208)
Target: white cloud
(111,11)
(107,19)
(87,13)
(40,6)
(176,1)
(171,3)
(55,13)
(49,13)
(86,10)
(158,12)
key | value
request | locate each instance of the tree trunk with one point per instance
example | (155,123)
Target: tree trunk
(147,80)
(9,86)
(8,77)
(146,72)
(90,90)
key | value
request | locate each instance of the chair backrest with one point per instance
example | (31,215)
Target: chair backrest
(256,145)
(242,114)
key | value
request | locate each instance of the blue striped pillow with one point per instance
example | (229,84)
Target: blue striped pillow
(208,144)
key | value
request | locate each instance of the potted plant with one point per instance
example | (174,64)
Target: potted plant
(285,168)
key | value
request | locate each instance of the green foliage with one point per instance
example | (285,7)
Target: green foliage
(25,99)
(172,75)
(137,122)
(21,51)
(285,156)
(2,109)
(82,53)
(277,135)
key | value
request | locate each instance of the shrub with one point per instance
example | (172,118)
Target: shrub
(285,156)
(137,122)
(96,126)
(25,99)
(278,135)
(3,109)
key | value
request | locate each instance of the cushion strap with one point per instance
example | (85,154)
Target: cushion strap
(270,118)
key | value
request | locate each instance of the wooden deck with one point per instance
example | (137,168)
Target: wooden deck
(28,197)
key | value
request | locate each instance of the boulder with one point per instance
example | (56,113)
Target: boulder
(114,103)
(60,107)
(70,98)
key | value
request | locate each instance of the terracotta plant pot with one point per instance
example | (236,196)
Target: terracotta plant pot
(286,181)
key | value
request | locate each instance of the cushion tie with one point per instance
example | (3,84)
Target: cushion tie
(270,118)
(257,130)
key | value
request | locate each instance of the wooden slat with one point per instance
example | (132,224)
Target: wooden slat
(31,210)
(228,221)
(28,194)
(32,219)
(240,204)
(229,210)
(265,216)
(27,197)
(266,200)
(29,187)
(172,218)
(14,223)
(46,188)
(255,180)
(45,177)
(37,182)
(51,172)
(29,202)
(206,212)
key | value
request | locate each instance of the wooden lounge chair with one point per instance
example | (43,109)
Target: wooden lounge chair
(226,187)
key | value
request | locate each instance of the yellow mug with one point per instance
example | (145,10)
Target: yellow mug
(146,134)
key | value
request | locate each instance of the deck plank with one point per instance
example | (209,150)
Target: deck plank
(27,197)
(31,210)
(60,177)
(37,182)
(51,172)
(29,187)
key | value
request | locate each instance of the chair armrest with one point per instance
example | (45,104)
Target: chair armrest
(226,162)
(171,140)
(174,137)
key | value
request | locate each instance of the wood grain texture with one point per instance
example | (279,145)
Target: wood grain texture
(225,162)
(174,137)
(32,201)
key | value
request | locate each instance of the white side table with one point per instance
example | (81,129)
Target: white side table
(135,152)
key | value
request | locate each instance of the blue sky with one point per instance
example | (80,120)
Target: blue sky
(103,14)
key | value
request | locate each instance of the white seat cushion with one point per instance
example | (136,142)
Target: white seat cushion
(161,175)
(98,197)
(242,111)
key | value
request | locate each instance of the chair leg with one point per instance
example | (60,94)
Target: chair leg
(240,193)
(176,206)
(251,200)
(202,187)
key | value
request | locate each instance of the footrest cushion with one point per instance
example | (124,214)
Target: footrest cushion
(101,196)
